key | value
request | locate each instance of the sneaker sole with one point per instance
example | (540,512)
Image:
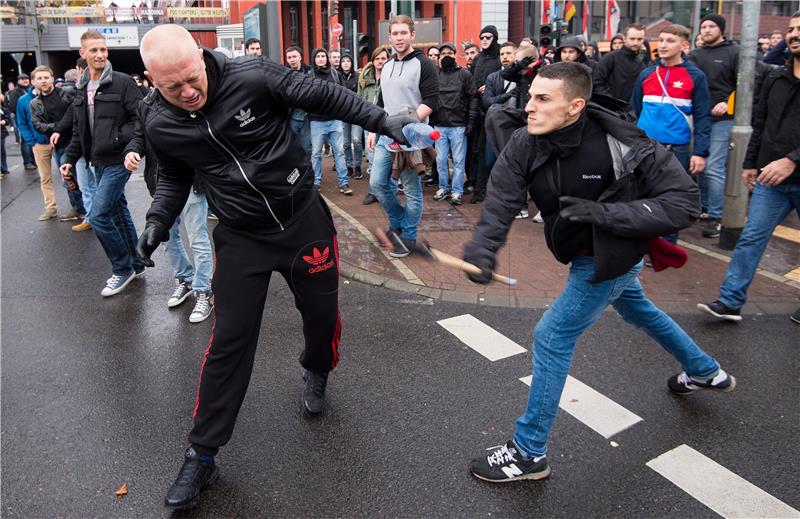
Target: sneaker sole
(196,501)
(707,309)
(534,476)
(727,389)
(794,319)
(195,320)
(399,254)
(173,304)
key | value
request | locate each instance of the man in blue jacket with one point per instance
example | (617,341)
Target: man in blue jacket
(39,143)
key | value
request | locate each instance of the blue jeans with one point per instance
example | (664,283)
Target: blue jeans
(27,152)
(453,140)
(353,147)
(87,183)
(768,207)
(3,163)
(194,216)
(406,218)
(303,133)
(111,220)
(330,131)
(75,196)
(712,180)
(577,308)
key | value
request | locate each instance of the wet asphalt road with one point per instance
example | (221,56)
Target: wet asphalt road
(99,392)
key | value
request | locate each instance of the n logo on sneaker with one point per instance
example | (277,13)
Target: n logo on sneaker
(318,261)
(511,471)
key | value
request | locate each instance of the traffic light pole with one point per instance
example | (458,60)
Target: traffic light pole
(355,46)
(734,210)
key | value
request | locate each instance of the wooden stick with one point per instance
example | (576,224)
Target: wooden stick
(469,268)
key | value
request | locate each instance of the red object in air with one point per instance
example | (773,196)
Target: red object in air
(435,135)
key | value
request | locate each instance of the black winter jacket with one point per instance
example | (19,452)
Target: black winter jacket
(496,91)
(115,104)
(458,101)
(349,80)
(326,74)
(486,62)
(651,196)
(776,123)
(49,123)
(720,64)
(255,173)
(616,72)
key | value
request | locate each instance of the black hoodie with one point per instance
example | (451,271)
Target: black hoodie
(326,73)
(574,43)
(488,60)
(720,64)
(616,73)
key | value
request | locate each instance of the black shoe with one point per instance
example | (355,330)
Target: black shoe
(195,476)
(400,250)
(314,393)
(369,199)
(430,180)
(683,384)
(504,463)
(478,197)
(357,174)
(349,172)
(721,311)
(713,228)
(795,317)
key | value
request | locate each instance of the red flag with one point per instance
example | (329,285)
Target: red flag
(585,27)
(545,12)
(569,11)
(612,18)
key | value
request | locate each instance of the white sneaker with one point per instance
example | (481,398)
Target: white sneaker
(441,194)
(522,214)
(538,217)
(202,307)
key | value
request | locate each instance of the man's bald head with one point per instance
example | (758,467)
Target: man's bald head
(175,65)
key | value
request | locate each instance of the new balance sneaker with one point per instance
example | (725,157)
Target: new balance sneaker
(505,463)
(116,284)
(538,217)
(456,199)
(713,229)
(441,194)
(400,248)
(522,214)
(182,290)
(720,311)
(683,384)
(314,392)
(202,307)
(196,475)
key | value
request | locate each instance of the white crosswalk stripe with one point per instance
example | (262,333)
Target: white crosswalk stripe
(594,409)
(481,337)
(716,487)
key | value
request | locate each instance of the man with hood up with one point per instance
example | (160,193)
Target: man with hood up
(570,50)
(325,129)
(353,134)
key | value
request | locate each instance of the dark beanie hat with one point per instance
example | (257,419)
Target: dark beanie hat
(490,29)
(717,19)
(448,45)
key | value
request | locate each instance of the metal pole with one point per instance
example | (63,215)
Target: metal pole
(394,9)
(355,46)
(734,209)
(37,44)
(696,20)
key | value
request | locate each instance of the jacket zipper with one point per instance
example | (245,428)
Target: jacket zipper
(244,175)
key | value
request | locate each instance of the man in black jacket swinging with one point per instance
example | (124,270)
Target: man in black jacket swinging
(228,121)
(603,189)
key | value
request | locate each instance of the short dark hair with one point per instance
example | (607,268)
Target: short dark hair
(635,26)
(576,78)
(469,45)
(293,48)
(251,41)
(795,14)
(81,63)
(678,30)
(508,44)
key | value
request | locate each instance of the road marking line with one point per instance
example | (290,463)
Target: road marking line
(481,337)
(399,265)
(716,487)
(794,275)
(594,409)
(787,233)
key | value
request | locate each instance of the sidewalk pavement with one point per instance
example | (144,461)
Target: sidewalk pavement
(540,278)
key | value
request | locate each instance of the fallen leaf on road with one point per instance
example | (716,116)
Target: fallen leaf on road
(574,400)
(122,490)
(614,444)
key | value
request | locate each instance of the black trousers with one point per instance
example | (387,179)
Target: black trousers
(306,255)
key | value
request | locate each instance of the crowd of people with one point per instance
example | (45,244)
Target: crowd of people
(618,153)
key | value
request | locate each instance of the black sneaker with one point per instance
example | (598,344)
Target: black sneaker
(195,476)
(478,197)
(369,199)
(795,317)
(400,248)
(683,384)
(713,229)
(504,463)
(314,393)
(720,311)
(357,174)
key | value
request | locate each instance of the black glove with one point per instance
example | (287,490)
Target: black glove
(581,210)
(153,234)
(393,127)
(485,263)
